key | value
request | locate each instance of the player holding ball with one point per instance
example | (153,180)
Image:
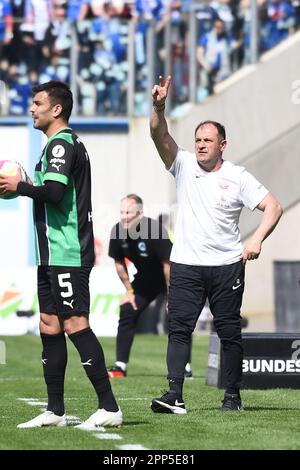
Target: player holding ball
(65,256)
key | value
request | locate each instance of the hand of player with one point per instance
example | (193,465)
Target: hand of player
(129,299)
(10,183)
(160,91)
(251,251)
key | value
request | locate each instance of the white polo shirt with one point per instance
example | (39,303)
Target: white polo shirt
(209,207)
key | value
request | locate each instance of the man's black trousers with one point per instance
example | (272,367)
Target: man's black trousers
(189,288)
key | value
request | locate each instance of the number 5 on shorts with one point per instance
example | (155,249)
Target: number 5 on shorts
(65,285)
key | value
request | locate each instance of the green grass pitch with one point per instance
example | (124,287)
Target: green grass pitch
(270,420)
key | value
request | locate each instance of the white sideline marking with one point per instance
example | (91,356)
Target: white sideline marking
(37,403)
(133,399)
(27,399)
(119,399)
(33,401)
(108,436)
(132,447)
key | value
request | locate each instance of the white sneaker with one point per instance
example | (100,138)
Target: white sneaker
(102,418)
(48,418)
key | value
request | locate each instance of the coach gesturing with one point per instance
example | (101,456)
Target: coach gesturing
(207,259)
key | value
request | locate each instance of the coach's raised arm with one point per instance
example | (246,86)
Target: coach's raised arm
(165,144)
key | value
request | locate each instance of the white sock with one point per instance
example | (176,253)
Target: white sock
(121,364)
(188,367)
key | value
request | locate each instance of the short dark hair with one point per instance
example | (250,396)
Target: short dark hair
(136,198)
(220,128)
(59,93)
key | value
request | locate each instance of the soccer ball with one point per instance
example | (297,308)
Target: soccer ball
(9,168)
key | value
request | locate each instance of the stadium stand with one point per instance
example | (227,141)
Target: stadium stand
(111,51)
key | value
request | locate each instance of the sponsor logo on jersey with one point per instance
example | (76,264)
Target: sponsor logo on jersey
(56,166)
(57,162)
(143,249)
(223,185)
(142,246)
(58,151)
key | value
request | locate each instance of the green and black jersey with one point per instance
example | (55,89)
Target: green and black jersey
(64,231)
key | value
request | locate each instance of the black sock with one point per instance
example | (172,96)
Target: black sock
(54,359)
(176,385)
(92,359)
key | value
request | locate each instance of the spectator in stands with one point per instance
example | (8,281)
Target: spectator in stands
(296,5)
(206,16)
(213,55)
(54,56)
(58,35)
(20,85)
(278,21)
(108,80)
(208,259)
(224,12)
(144,13)
(180,73)
(77,10)
(6,35)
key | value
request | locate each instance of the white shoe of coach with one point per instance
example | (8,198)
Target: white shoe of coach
(102,418)
(48,418)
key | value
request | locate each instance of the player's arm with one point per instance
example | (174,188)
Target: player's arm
(272,211)
(165,144)
(122,272)
(59,156)
(166,268)
(51,192)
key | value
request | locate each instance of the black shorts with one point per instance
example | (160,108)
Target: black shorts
(63,290)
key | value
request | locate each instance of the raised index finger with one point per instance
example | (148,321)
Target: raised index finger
(168,81)
(161,80)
